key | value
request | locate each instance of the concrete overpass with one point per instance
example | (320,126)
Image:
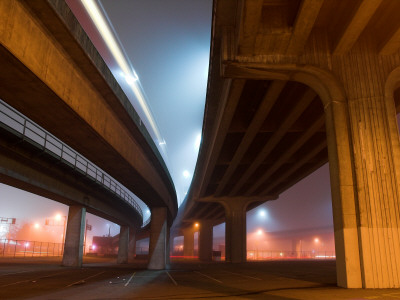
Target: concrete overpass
(294,85)
(51,72)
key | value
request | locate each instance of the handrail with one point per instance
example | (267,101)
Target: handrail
(14,120)
(145,223)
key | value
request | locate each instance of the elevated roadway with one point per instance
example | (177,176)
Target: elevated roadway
(294,85)
(51,72)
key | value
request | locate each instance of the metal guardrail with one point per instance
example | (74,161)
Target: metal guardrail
(22,248)
(15,122)
(145,223)
(271,254)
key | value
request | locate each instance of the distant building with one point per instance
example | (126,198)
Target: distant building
(104,245)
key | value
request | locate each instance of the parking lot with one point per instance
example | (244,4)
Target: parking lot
(103,279)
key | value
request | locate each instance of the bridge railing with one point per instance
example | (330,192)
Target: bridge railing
(17,123)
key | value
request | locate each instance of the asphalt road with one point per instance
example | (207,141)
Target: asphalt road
(102,279)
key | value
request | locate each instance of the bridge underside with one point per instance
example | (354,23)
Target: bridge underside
(291,87)
(51,73)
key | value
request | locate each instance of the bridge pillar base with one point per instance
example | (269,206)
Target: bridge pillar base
(132,244)
(188,242)
(205,240)
(123,245)
(73,246)
(235,231)
(158,239)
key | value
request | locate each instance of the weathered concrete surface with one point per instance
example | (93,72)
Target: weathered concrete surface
(123,245)
(350,61)
(205,240)
(188,242)
(44,66)
(158,246)
(132,244)
(73,248)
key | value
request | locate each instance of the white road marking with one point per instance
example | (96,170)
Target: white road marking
(130,278)
(256,278)
(13,273)
(32,280)
(208,276)
(83,280)
(173,280)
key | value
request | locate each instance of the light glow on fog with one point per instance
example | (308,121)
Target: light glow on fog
(99,17)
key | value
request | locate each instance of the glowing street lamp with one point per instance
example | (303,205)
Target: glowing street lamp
(262,213)
(56,221)
(196,225)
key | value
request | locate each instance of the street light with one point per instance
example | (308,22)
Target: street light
(55,221)
(262,213)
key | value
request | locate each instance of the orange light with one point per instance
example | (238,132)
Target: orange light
(196,224)
(36,225)
(316,240)
(259,231)
(58,217)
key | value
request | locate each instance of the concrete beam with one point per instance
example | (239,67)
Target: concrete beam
(355,27)
(306,16)
(271,96)
(294,114)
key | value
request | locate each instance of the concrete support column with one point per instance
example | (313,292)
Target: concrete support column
(73,247)
(158,239)
(123,245)
(343,191)
(235,231)
(168,247)
(132,244)
(377,193)
(171,244)
(205,240)
(188,242)
(364,180)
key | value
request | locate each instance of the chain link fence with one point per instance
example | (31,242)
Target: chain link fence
(22,248)
(267,255)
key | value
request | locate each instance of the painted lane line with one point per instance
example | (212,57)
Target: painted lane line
(13,273)
(173,280)
(130,278)
(32,280)
(83,280)
(256,278)
(208,276)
